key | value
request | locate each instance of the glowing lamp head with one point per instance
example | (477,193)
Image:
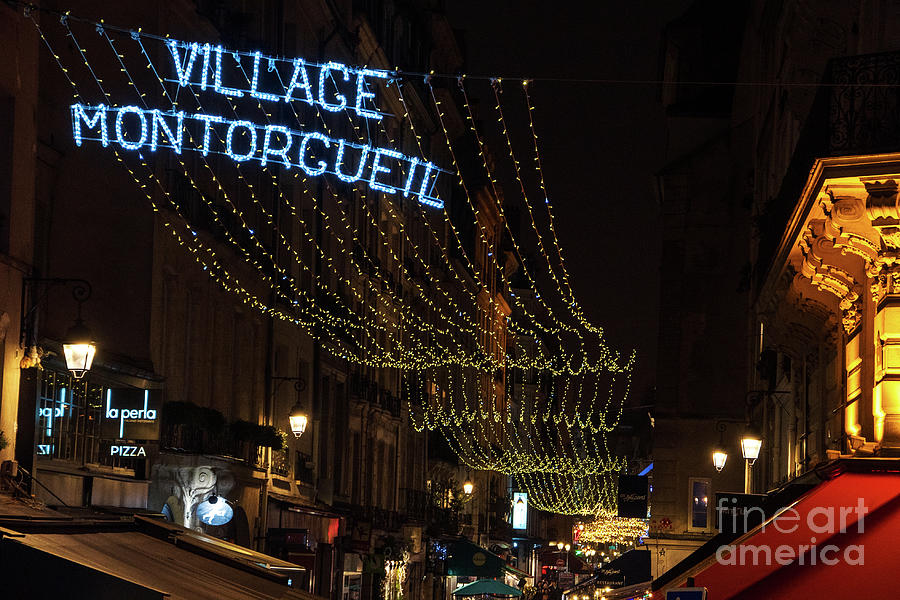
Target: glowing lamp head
(79,349)
(298,420)
(215,511)
(719,458)
(751,442)
(468,487)
(568,547)
(559,545)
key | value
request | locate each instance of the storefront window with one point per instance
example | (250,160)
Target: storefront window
(90,424)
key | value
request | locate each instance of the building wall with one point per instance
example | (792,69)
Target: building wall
(18,95)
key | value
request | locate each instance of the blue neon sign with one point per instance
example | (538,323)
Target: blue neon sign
(331,86)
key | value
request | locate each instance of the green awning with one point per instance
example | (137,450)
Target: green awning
(465,559)
(486,586)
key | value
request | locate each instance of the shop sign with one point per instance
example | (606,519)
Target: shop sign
(520,510)
(130,414)
(632,496)
(276,82)
(128,451)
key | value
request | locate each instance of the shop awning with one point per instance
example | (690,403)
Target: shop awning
(466,559)
(143,560)
(517,572)
(815,555)
(483,587)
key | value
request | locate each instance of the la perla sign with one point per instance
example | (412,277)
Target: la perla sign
(126,417)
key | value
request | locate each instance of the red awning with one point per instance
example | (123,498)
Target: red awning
(831,559)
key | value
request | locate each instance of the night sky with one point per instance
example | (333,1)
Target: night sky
(601,144)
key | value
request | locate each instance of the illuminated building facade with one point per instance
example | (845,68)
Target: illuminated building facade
(190,396)
(783,197)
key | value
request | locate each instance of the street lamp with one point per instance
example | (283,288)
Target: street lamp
(78,347)
(719,458)
(298,419)
(720,455)
(559,546)
(468,487)
(751,442)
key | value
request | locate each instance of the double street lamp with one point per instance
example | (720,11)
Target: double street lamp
(751,443)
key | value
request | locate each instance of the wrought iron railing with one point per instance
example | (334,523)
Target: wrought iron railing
(856,111)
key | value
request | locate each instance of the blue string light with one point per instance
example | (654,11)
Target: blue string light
(229,137)
(340,160)
(325,73)
(321,165)
(377,168)
(78,115)
(255,82)
(282,152)
(175,138)
(120,135)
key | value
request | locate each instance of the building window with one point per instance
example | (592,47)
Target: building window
(699,503)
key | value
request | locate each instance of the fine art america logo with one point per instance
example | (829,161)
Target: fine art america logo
(822,523)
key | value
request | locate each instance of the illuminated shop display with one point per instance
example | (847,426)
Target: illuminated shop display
(87,423)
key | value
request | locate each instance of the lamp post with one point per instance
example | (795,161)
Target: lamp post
(720,454)
(751,442)
(297,418)
(78,346)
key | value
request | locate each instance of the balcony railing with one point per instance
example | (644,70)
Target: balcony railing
(856,111)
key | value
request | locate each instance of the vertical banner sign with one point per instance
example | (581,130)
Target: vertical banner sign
(632,496)
(275,82)
(520,510)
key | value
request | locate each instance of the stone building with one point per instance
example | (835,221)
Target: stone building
(217,379)
(779,214)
